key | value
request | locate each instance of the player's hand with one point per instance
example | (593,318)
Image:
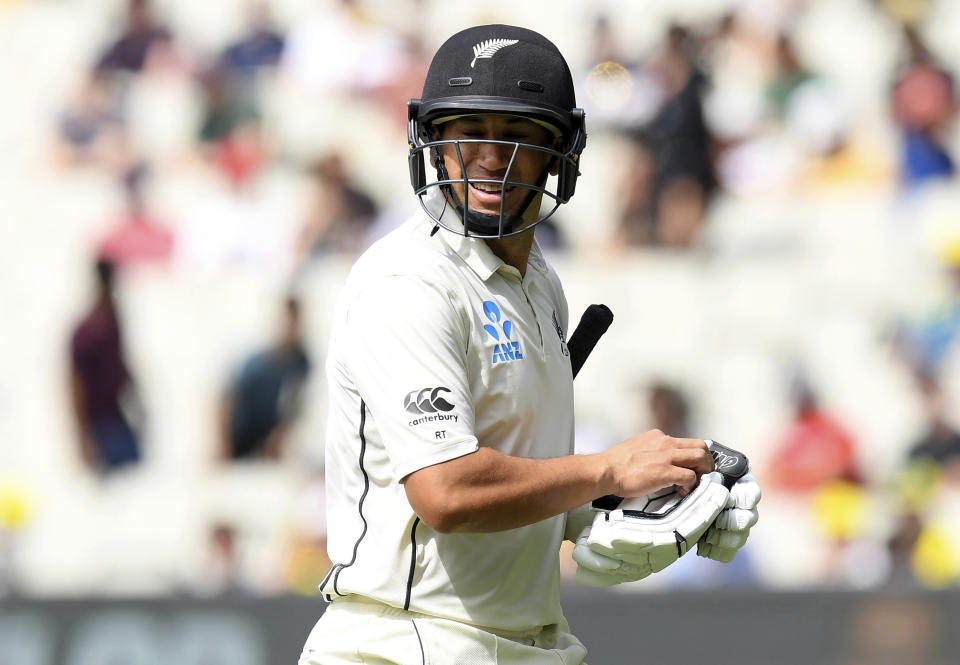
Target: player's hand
(645,538)
(732,527)
(595,569)
(648,462)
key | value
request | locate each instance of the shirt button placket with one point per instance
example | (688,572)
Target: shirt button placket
(531,303)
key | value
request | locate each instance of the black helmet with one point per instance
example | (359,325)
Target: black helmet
(498,69)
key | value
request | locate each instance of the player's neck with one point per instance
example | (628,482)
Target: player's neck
(514,250)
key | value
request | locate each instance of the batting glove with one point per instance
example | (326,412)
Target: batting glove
(732,527)
(654,531)
(595,569)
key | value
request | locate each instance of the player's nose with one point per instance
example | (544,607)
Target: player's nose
(494,157)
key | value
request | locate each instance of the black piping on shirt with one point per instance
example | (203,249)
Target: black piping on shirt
(423,655)
(413,562)
(337,569)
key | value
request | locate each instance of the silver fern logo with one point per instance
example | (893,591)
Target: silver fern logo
(488,47)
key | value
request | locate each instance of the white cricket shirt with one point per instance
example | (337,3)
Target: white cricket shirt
(439,347)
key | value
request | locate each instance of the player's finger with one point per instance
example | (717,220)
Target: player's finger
(727,539)
(746,492)
(737,519)
(691,443)
(721,554)
(593,578)
(684,478)
(699,461)
(632,572)
(587,558)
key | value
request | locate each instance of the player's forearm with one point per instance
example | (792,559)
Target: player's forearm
(487,491)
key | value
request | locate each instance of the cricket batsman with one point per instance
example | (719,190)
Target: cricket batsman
(451,482)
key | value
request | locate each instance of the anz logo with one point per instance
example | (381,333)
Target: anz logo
(506,349)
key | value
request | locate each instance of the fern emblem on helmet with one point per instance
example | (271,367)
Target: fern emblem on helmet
(488,47)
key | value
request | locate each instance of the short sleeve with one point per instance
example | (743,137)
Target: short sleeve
(406,350)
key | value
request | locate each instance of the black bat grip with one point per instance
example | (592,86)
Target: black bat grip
(594,322)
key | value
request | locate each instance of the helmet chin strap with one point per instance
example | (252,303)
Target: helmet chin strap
(482,223)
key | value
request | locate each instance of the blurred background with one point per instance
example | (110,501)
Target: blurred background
(769,204)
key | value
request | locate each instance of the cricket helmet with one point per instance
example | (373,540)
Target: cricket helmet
(496,69)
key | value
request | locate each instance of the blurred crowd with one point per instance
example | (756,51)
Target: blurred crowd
(278,152)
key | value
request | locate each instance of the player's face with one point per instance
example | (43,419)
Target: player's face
(490,161)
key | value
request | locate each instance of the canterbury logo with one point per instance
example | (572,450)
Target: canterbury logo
(427,400)
(487,48)
(724,461)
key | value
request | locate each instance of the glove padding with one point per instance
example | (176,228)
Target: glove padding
(646,540)
(595,569)
(732,527)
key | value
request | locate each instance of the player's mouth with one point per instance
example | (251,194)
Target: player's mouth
(488,192)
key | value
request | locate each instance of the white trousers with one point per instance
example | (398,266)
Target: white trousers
(360,631)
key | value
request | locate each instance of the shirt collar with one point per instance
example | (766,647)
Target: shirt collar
(536,260)
(476,253)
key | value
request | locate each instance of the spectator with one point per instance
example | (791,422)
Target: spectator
(788,75)
(681,206)
(339,214)
(226,108)
(925,341)
(636,223)
(231,92)
(670,411)
(941,442)
(128,54)
(680,133)
(138,237)
(103,391)
(261,46)
(918,551)
(265,398)
(751,85)
(900,548)
(815,448)
(679,142)
(89,129)
(923,105)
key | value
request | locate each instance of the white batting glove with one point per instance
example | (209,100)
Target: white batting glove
(595,569)
(577,520)
(732,527)
(635,534)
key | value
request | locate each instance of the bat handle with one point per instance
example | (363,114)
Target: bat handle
(593,324)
